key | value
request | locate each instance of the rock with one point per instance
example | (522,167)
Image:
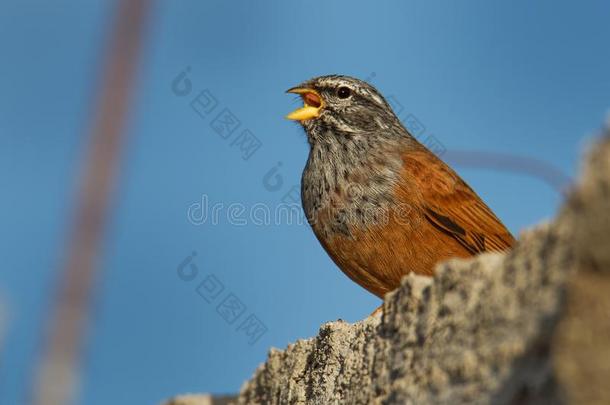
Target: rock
(581,346)
(530,326)
(477,332)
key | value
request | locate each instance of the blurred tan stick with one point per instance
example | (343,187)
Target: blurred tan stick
(57,375)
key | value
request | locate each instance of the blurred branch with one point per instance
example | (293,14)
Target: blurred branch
(57,374)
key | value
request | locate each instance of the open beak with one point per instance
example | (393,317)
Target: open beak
(312,104)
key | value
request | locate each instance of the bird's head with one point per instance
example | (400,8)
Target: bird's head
(341,105)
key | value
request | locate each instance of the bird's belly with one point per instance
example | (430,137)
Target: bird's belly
(379,256)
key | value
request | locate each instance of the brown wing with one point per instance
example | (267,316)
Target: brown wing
(451,206)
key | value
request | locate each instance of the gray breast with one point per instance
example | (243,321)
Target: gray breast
(350,182)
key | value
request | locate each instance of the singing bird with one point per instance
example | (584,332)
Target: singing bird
(380,203)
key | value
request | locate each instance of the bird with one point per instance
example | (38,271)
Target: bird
(380,203)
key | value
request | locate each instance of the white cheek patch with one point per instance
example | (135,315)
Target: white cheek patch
(339,124)
(375,97)
(380,123)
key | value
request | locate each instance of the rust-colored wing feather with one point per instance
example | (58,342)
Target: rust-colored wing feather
(452,207)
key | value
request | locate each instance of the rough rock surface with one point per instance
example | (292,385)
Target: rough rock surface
(581,347)
(530,326)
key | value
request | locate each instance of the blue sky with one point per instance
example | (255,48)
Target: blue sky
(522,79)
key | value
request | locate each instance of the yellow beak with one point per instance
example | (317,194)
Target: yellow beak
(312,104)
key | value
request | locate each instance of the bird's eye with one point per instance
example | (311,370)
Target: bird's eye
(344,92)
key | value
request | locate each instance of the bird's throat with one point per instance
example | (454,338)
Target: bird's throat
(348,183)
